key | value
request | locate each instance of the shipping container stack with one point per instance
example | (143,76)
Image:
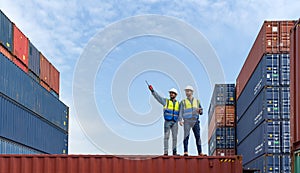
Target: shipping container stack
(221,131)
(263,101)
(295,95)
(32,118)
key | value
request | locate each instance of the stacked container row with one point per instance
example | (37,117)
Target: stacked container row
(112,164)
(29,114)
(17,47)
(32,119)
(221,130)
(263,101)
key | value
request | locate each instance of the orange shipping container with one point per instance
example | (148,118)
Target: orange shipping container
(44,69)
(20,47)
(223,116)
(5,52)
(20,65)
(54,79)
(274,37)
(116,164)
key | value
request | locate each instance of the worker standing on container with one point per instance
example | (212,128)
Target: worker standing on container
(171,113)
(190,108)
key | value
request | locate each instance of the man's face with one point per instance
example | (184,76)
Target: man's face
(172,95)
(188,93)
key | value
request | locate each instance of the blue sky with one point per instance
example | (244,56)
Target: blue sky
(61,30)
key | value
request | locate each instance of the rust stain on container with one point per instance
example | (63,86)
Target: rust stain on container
(295,87)
(273,37)
(21,45)
(115,164)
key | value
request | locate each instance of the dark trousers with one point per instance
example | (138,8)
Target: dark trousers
(194,125)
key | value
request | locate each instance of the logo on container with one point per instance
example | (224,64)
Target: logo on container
(90,118)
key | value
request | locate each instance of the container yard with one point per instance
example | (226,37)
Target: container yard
(253,125)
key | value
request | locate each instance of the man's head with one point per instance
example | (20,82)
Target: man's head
(189,90)
(173,93)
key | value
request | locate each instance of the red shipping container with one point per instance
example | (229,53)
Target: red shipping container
(21,43)
(5,52)
(223,116)
(224,152)
(116,164)
(295,87)
(274,37)
(20,65)
(54,79)
(44,69)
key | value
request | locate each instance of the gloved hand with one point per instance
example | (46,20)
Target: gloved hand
(151,88)
(200,111)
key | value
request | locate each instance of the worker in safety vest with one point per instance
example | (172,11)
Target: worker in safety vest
(190,108)
(171,113)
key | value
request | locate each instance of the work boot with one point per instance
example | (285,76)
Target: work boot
(201,154)
(186,154)
(165,154)
(175,153)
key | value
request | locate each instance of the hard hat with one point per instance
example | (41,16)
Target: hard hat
(189,87)
(173,90)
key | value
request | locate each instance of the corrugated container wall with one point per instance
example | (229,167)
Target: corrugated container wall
(113,164)
(273,38)
(24,126)
(54,79)
(34,60)
(11,147)
(221,131)
(23,89)
(6,32)
(295,86)
(44,69)
(21,45)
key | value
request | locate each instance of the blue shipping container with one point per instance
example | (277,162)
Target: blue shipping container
(223,94)
(33,76)
(34,60)
(267,105)
(222,138)
(285,103)
(6,32)
(286,163)
(285,136)
(285,70)
(270,163)
(10,147)
(21,125)
(267,73)
(265,139)
(22,88)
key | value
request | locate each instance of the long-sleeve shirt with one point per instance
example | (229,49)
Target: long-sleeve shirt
(181,109)
(159,98)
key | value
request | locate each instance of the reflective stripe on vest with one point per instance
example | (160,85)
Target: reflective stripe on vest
(189,108)
(171,111)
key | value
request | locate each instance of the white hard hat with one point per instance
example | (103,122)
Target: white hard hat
(189,87)
(173,90)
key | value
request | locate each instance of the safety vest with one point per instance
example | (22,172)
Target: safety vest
(171,111)
(190,108)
